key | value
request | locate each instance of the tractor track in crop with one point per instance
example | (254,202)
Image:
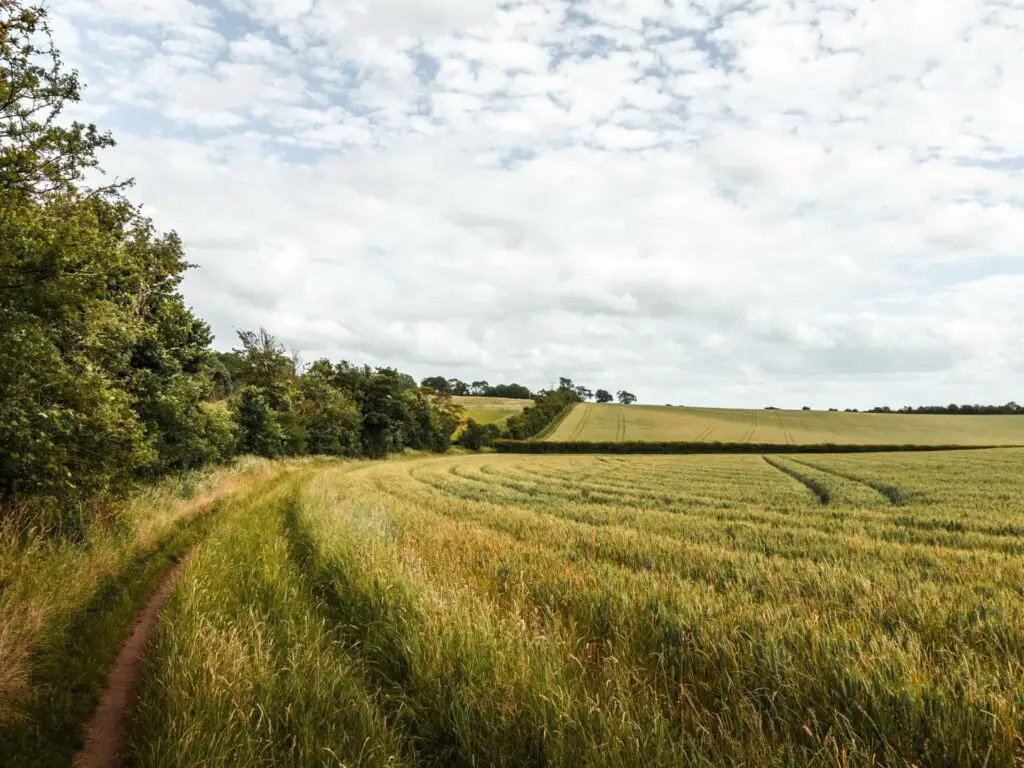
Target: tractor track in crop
(895,496)
(824,494)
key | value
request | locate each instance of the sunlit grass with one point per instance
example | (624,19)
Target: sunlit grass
(520,610)
(66,605)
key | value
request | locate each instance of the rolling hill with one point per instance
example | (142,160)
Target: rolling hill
(491,410)
(588,422)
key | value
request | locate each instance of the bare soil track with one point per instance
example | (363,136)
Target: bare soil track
(106,736)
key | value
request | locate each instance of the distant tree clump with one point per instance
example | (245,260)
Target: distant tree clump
(1010,409)
(547,406)
(626,398)
(334,409)
(476,389)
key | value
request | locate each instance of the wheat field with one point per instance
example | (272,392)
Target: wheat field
(588,422)
(591,610)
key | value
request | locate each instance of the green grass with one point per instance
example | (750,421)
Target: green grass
(617,423)
(491,410)
(246,671)
(66,607)
(593,610)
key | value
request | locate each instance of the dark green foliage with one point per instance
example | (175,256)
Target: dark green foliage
(477,388)
(626,398)
(1011,408)
(431,418)
(539,446)
(439,383)
(334,410)
(457,387)
(476,436)
(603,396)
(547,407)
(381,406)
(260,431)
(331,418)
(512,391)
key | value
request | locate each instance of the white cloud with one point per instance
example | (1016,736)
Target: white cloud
(705,201)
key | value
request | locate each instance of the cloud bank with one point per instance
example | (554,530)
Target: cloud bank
(705,202)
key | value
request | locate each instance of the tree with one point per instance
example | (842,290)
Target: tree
(515,391)
(329,417)
(458,387)
(263,362)
(431,418)
(382,411)
(583,393)
(40,157)
(104,368)
(439,383)
(603,396)
(406,382)
(479,388)
(626,398)
(476,436)
(260,431)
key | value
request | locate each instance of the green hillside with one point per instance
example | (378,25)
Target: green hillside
(618,423)
(491,410)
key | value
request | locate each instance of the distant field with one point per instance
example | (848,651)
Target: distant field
(491,410)
(619,423)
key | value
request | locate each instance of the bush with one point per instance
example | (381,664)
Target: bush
(260,432)
(476,436)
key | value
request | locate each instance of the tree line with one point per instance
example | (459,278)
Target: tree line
(1011,408)
(460,388)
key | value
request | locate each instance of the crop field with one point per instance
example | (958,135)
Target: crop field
(491,410)
(569,610)
(588,422)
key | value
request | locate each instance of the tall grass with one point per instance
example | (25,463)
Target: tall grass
(245,669)
(513,610)
(66,605)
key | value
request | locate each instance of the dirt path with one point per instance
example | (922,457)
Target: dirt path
(106,737)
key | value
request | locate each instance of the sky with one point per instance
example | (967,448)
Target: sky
(705,202)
